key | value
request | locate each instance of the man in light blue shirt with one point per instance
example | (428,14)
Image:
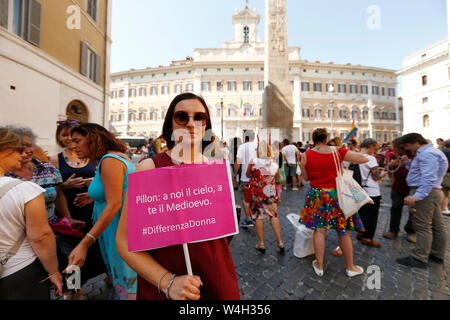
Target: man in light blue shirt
(425,176)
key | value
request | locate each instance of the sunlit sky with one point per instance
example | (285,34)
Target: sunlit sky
(155,32)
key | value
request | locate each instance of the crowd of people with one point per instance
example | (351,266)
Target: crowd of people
(70,209)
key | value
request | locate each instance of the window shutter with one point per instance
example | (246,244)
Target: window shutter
(98,68)
(34,22)
(84,59)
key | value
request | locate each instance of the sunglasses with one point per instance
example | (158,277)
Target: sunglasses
(182,117)
(67,122)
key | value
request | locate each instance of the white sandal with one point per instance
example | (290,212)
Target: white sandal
(318,271)
(354,273)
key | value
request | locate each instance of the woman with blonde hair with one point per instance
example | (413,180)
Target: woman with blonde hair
(263,173)
(27,244)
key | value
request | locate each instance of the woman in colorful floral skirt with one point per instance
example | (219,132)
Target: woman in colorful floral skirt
(321,211)
(263,173)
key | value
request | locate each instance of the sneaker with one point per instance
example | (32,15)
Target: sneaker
(247,223)
(412,262)
(294,189)
(411,238)
(390,235)
(284,188)
(446,213)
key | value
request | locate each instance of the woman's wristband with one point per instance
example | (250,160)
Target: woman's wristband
(168,286)
(159,282)
(91,236)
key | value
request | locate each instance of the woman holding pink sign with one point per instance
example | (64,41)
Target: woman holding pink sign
(162,273)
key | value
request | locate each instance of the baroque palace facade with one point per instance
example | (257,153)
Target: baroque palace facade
(231,79)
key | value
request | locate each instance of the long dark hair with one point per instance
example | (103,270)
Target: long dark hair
(168,124)
(100,140)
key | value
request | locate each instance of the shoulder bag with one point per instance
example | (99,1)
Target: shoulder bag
(351,196)
(15,248)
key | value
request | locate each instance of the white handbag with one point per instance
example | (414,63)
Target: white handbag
(351,196)
(303,242)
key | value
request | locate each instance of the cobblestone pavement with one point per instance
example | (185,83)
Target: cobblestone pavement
(271,276)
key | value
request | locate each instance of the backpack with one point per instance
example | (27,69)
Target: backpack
(356,172)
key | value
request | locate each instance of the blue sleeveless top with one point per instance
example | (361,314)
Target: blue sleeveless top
(124,278)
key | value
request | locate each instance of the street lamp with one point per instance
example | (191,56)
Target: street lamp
(221,108)
(331,90)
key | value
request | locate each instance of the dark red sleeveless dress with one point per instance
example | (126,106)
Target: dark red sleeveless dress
(210,260)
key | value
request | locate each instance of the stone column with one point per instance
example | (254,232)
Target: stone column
(278,109)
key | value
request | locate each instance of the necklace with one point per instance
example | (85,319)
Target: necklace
(66,159)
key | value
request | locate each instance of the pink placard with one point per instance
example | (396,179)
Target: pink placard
(180,204)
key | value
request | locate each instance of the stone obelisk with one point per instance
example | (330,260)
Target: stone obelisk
(278,107)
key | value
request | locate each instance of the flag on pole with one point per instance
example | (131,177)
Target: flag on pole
(352,133)
(242,107)
(253,107)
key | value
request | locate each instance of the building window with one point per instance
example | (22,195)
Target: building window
(113,94)
(90,63)
(353,89)
(383,91)
(365,114)
(91,9)
(165,89)
(261,85)
(393,116)
(26,19)
(153,91)
(384,115)
(131,117)
(318,114)
(376,115)
(305,86)
(246,34)
(178,88)
(142,91)
(386,137)
(189,87)
(305,113)
(205,86)
(142,116)
(76,110)
(424,80)
(121,93)
(342,114)
(364,89)
(231,85)
(317,87)
(4,7)
(153,115)
(354,114)
(424,100)
(342,88)
(247,86)
(330,114)
(231,112)
(375,90)
(426,121)
(391,92)
(132,92)
(219,86)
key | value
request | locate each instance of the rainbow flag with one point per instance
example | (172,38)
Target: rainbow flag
(352,133)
